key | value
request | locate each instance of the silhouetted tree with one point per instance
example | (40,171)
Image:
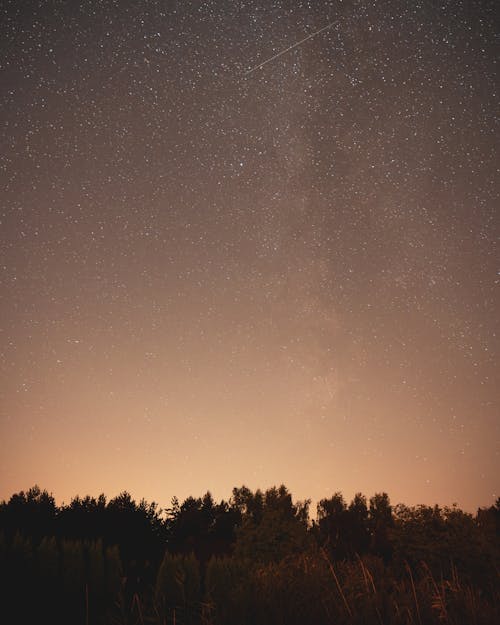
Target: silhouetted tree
(358,534)
(333,523)
(253,560)
(202,527)
(84,518)
(380,523)
(273,527)
(32,513)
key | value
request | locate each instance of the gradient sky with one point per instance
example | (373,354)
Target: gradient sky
(212,276)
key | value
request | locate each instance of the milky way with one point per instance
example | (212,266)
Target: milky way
(218,270)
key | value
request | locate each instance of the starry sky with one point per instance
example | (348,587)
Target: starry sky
(216,272)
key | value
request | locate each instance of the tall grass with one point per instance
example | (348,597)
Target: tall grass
(80,583)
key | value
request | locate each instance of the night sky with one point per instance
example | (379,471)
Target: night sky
(213,276)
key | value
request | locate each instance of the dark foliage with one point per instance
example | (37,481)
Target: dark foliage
(256,559)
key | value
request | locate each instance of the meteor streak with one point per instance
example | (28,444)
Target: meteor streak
(295,45)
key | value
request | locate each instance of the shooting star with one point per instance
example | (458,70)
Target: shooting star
(295,45)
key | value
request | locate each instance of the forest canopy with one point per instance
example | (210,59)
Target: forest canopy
(256,558)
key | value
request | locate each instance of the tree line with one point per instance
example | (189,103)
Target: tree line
(257,558)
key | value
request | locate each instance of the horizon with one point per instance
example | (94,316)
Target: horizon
(313,503)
